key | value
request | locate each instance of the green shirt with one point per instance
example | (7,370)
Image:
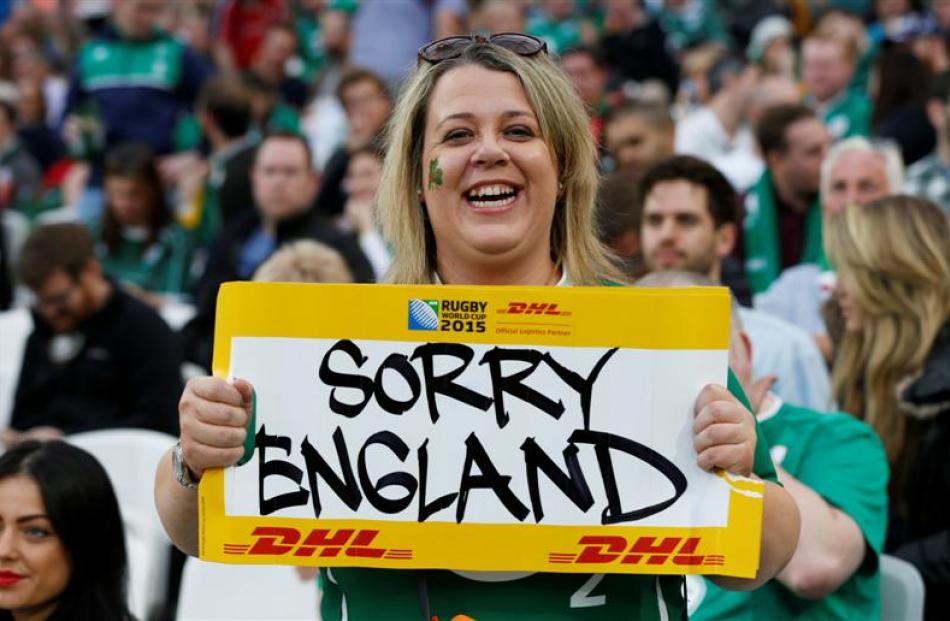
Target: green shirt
(310,45)
(161,267)
(760,235)
(559,35)
(357,594)
(847,115)
(695,23)
(842,460)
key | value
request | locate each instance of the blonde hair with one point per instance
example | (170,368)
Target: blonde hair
(304,261)
(894,255)
(565,129)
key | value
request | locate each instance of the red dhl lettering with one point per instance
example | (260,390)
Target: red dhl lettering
(532,308)
(322,542)
(601,550)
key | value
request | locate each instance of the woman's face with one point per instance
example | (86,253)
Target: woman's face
(34,566)
(490,181)
(127,197)
(844,289)
(779,56)
(362,176)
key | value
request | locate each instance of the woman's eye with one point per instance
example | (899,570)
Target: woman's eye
(520,131)
(457,134)
(37,532)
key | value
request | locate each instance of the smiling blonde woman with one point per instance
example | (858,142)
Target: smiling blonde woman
(489,179)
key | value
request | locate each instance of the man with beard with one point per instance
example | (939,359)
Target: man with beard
(782,222)
(689,224)
(97,358)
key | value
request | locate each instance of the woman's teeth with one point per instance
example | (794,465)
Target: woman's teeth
(492,196)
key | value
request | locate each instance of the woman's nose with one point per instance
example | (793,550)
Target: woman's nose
(8,546)
(490,152)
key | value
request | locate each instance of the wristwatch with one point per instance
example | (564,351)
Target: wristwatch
(182,472)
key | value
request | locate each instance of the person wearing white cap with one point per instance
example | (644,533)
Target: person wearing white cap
(770,46)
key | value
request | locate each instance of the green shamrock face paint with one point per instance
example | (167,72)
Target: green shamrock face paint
(435,174)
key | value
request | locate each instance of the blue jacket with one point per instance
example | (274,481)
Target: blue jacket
(140,89)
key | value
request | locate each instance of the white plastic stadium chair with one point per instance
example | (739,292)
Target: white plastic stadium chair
(15,229)
(218,592)
(902,590)
(130,457)
(15,328)
(139,553)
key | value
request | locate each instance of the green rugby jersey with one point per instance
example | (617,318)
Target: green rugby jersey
(841,459)
(164,266)
(358,594)
(849,115)
(139,90)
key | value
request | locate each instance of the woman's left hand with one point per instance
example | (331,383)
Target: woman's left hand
(723,432)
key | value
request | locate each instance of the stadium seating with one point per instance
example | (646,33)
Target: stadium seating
(129,456)
(15,327)
(902,590)
(213,592)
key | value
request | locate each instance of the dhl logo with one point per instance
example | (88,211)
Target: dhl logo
(532,308)
(279,541)
(602,550)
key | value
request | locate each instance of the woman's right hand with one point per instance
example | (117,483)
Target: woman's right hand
(213,416)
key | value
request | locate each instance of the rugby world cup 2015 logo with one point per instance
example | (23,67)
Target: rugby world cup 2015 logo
(423,314)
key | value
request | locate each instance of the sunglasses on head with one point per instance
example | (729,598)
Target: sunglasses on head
(452,47)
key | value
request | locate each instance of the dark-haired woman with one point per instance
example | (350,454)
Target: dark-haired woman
(899,87)
(139,243)
(62,550)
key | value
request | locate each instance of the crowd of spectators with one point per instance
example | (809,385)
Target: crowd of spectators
(796,151)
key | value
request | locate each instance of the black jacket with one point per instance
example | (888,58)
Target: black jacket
(198,334)
(910,127)
(640,54)
(235,186)
(919,531)
(331,199)
(126,373)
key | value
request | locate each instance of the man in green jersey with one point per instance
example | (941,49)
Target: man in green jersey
(834,466)
(781,225)
(132,83)
(827,68)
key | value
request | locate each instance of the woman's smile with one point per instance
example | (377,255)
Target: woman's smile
(492,196)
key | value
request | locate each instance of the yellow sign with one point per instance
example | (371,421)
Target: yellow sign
(476,428)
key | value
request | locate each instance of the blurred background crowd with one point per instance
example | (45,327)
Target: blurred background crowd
(151,150)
